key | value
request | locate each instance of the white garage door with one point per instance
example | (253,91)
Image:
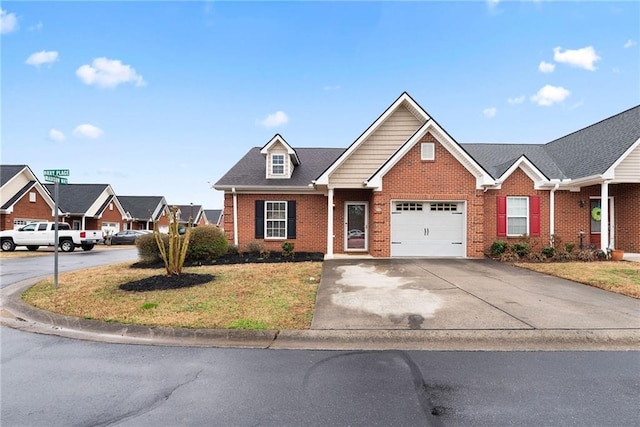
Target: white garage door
(427,229)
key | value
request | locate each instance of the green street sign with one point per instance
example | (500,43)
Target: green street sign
(57,179)
(56,172)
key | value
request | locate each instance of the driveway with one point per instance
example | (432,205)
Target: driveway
(461,294)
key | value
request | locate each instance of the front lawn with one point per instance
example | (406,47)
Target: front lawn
(255,296)
(621,277)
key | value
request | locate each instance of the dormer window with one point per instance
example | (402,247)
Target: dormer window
(277,164)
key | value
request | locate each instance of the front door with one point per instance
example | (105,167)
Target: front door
(355,226)
(595,214)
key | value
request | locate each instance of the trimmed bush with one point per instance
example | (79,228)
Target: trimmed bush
(535,257)
(563,256)
(548,251)
(254,247)
(498,247)
(569,247)
(233,250)
(586,255)
(206,242)
(148,248)
(287,249)
(521,248)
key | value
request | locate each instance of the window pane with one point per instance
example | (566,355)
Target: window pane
(517,206)
(276,219)
(517,226)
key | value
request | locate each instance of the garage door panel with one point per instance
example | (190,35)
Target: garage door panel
(434,230)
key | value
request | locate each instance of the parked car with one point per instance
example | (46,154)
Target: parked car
(125,237)
(36,234)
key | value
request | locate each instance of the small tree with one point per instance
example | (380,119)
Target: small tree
(175,255)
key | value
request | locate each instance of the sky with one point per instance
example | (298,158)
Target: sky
(161,98)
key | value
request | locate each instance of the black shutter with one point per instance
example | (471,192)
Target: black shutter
(291,219)
(259,219)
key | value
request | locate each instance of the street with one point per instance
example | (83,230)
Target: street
(49,380)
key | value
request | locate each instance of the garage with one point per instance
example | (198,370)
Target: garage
(427,229)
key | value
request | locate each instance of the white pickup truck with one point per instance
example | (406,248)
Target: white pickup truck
(36,234)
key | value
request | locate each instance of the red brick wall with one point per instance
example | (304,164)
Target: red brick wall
(38,210)
(571,218)
(518,184)
(414,179)
(311,221)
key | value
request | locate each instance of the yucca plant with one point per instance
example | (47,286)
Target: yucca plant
(175,254)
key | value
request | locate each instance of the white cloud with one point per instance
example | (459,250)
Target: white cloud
(8,22)
(549,95)
(37,27)
(87,131)
(546,67)
(276,119)
(108,73)
(334,87)
(630,43)
(490,113)
(44,57)
(581,58)
(516,100)
(56,135)
(492,3)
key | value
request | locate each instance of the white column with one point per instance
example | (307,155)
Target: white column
(235,217)
(552,209)
(330,223)
(604,215)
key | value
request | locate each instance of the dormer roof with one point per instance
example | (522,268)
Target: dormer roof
(278,139)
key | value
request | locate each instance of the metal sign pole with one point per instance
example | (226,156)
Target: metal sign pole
(55,235)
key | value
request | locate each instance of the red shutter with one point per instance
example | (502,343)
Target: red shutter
(534,215)
(502,216)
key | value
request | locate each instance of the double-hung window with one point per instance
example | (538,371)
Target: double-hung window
(517,216)
(277,164)
(275,220)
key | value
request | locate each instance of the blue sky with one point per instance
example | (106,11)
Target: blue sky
(162,98)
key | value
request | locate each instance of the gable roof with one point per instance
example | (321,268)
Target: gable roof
(213,215)
(142,207)
(7,172)
(9,178)
(76,199)
(279,139)
(586,152)
(249,171)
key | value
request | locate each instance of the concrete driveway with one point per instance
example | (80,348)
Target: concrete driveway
(461,294)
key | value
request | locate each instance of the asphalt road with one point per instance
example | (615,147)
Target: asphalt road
(17,269)
(53,381)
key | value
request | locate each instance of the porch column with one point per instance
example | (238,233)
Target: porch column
(604,215)
(330,223)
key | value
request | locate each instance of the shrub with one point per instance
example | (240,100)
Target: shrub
(207,242)
(521,248)
(498,247)
(586,255)
(287,249)
(265,253)
(535,257)
(509,257)
(254,247)
(233,250)
(569,247)
(548,251)
(563,256)
(148,250)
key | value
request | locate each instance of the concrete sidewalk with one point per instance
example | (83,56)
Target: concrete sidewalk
(479,310)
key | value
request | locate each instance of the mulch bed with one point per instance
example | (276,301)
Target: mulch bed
(248,258)
(164,282)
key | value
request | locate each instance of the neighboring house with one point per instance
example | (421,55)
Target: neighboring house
(23,199)
(143,211)
(191,213)
(214,217)
(405,187)
(90,207)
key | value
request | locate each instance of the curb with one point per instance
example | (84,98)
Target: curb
(19,315)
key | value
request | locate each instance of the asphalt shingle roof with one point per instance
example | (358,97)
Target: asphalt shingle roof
(213,215)
(77,198)
(9,171)
(140,207)
(250,170)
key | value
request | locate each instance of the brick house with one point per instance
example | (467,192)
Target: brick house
(405,187)
(23,199)
(214,217)
(143,211)
(90,207)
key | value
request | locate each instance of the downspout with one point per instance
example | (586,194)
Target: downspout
(330,223)
(235,216)
(552,210)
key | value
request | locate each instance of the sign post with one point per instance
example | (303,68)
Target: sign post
(55,176)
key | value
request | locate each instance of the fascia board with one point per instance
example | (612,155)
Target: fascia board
(610,173)
(529,169)
(482,179)
(273,190)
(324,178)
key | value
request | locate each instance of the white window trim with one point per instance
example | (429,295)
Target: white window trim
(427,151)
(32,196)
(286,220)
(526,216)
(273,157)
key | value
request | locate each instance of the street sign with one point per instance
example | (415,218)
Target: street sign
(60,180)
(56,172)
